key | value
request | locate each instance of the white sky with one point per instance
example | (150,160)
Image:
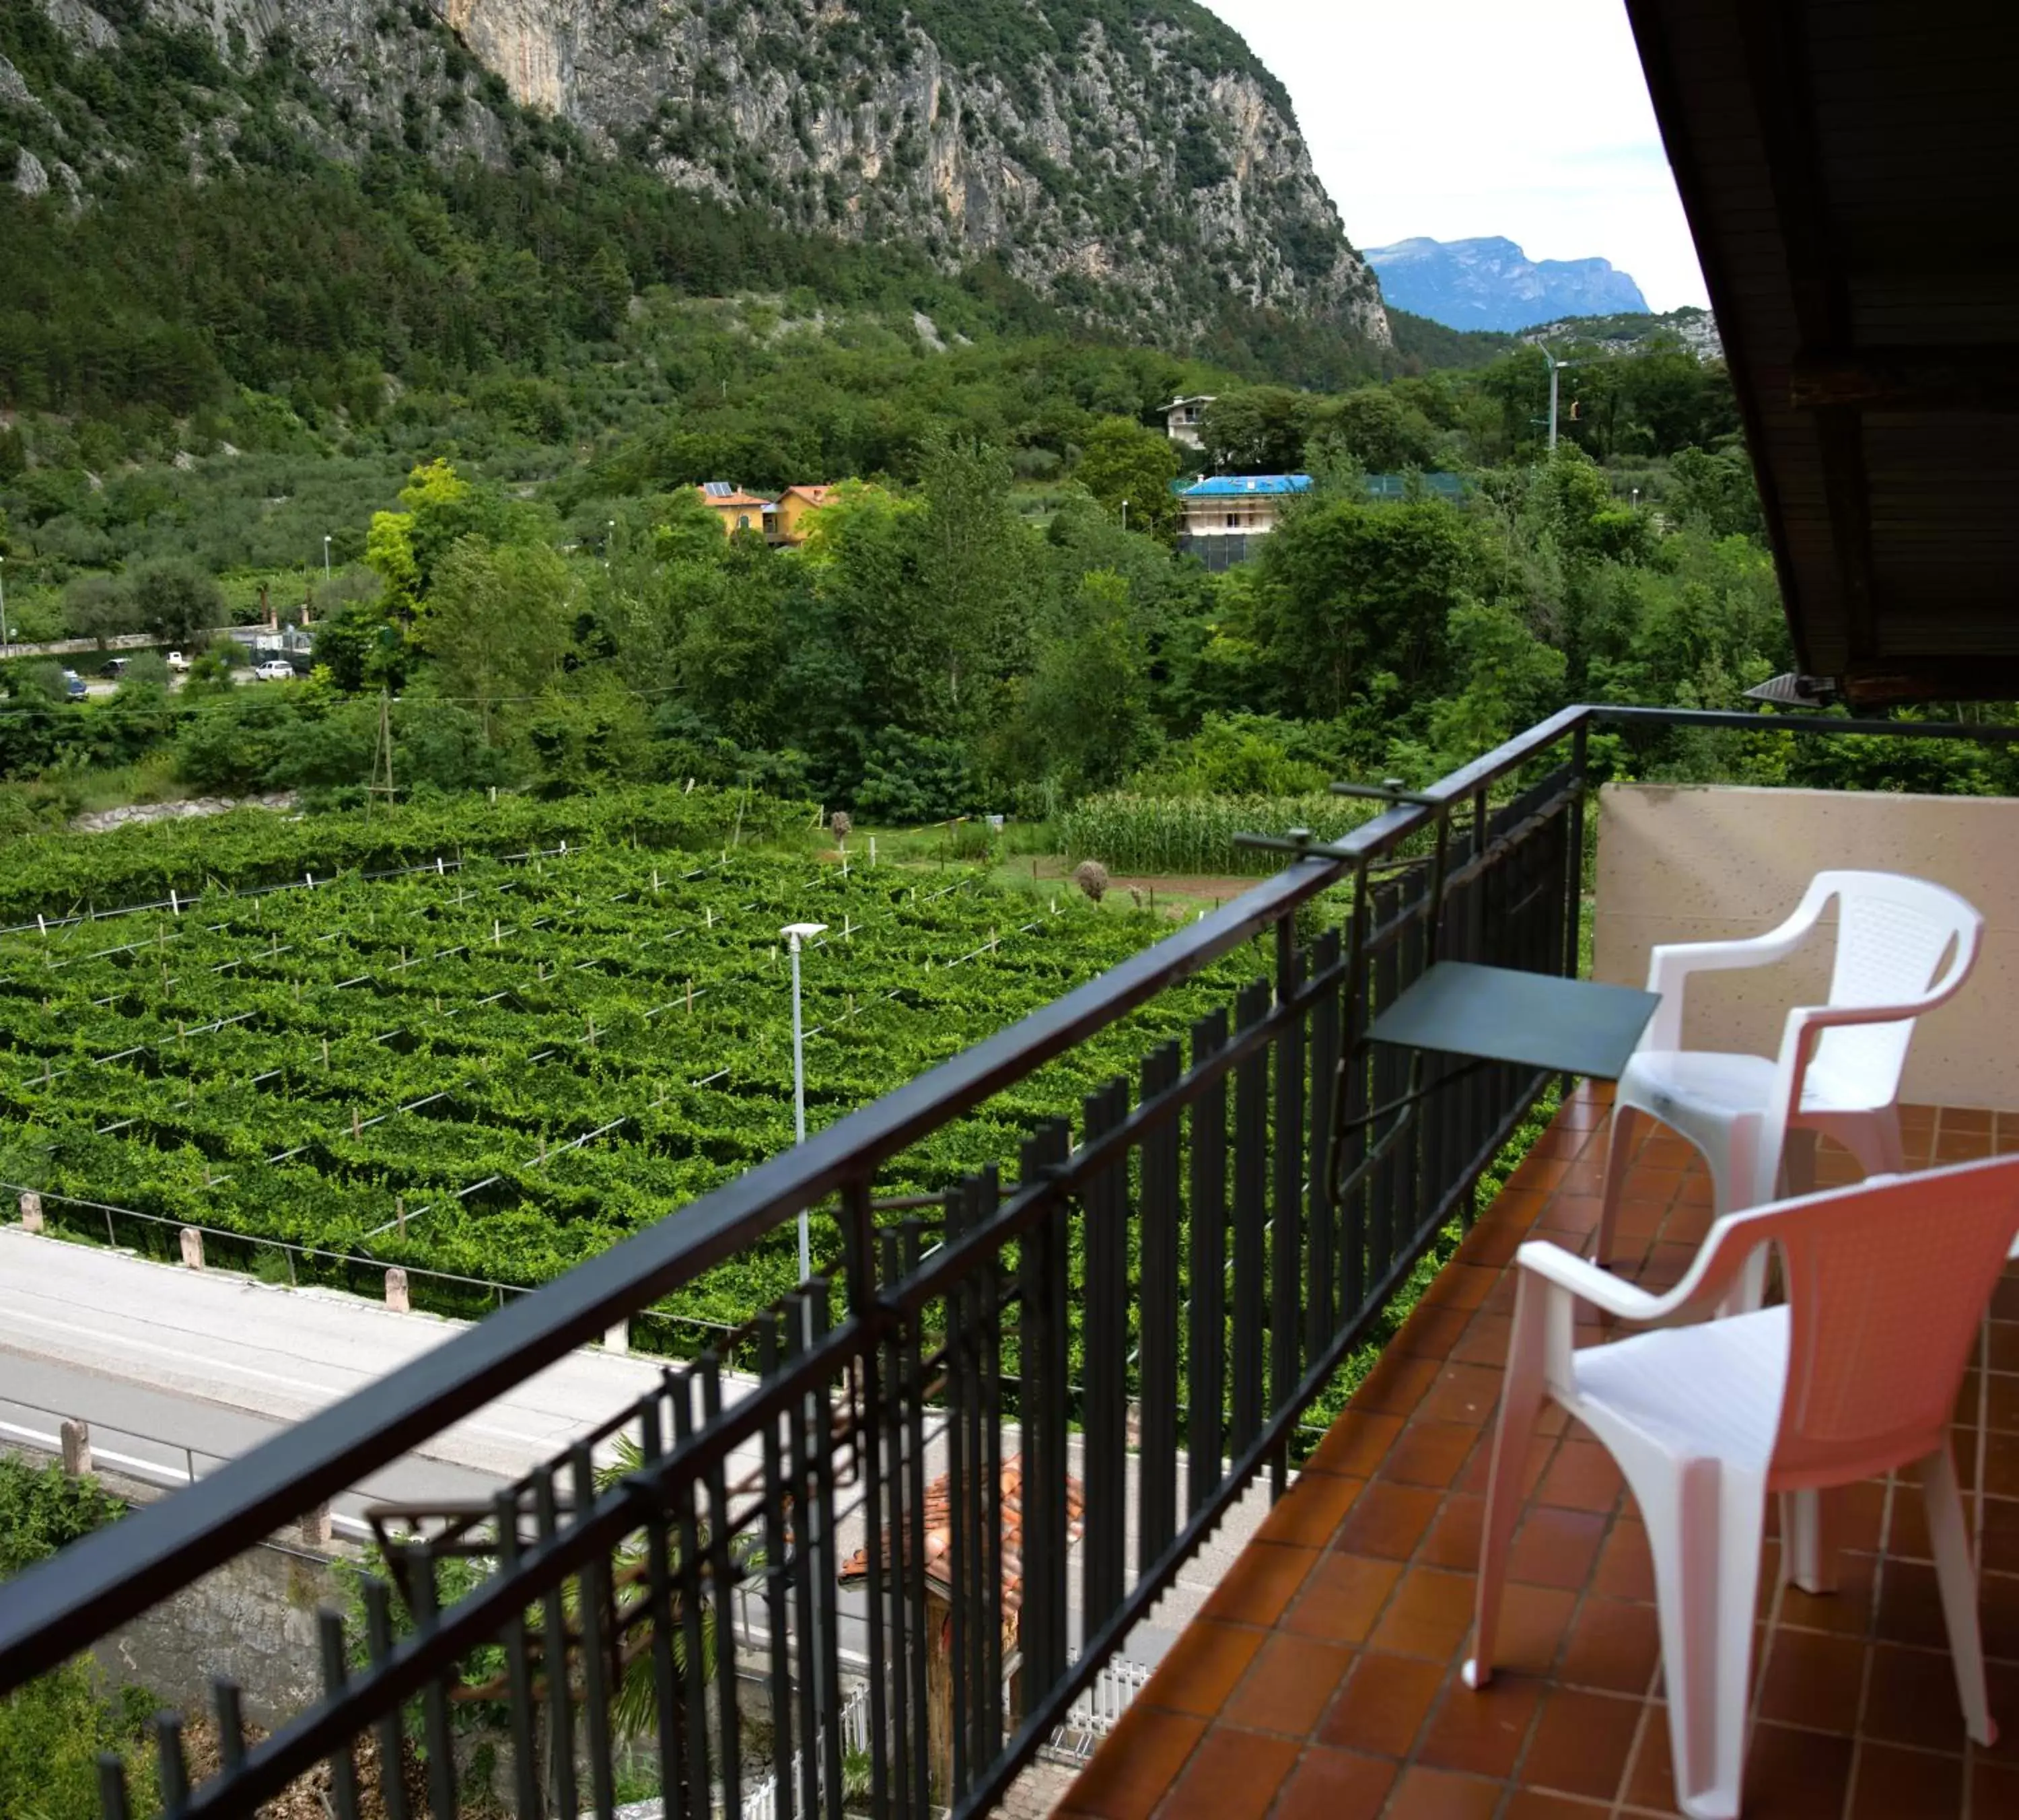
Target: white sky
(1458,118)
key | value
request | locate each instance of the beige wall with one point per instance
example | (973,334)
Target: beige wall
(1698,864)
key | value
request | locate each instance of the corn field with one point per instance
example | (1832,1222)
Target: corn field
(1194,834)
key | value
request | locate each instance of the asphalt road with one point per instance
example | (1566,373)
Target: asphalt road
(159,1359)
(183,1368)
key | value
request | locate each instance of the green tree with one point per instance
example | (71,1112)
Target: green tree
(1121,462)
(1509,679)
(606,292)
(1350,588)
(975,565)
(177,600)
(1086,719)
(100,606)
(1260,430)
(1716,491)
(1378,430)
(501,621)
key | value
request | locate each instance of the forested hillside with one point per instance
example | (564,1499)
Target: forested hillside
(279,335)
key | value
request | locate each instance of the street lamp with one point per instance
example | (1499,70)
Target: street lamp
(325,557)
(1555,367)
(1125,514)
(609,537)
(795,933)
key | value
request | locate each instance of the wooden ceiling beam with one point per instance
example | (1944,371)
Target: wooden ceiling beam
(1894,681)
(1976,378)
(1778,60)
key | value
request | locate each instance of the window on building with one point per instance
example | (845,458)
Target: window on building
(743,521)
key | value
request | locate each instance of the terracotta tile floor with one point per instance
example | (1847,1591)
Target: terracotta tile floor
(1322,1680)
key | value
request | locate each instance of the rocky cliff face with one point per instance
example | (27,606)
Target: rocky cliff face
(1492,283)
(1140,174)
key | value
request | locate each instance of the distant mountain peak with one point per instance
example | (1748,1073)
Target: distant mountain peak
(1491,283)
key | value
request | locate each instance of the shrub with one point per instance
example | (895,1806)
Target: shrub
(1091,876)
(41,1510)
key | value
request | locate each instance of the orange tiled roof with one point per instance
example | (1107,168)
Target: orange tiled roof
(939,1534)
(813,495)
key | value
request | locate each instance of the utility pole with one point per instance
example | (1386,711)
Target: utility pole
(381,755)
(4,640)
(1555,367)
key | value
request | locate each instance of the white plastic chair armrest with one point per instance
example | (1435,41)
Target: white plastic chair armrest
(1585,1279)
(1670,965)
(1719,1260)
(1806,1021)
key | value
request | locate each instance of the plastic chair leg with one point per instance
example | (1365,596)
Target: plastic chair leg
(1808,1540)
(1892,1146)
(1950,1540)
(1705,1535)
(1735,1183)
(1874,1139)
(1619,1147)
(1798,1162)
(1521,1393)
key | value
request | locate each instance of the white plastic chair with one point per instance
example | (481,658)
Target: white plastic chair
(1838,1072)
(1856,1375)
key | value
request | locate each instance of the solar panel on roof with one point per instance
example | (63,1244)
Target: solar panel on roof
(717,489)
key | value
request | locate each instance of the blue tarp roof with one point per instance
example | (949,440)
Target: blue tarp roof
(1227,485)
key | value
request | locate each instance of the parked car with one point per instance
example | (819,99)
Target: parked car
(73,686)
(178,662)
(275,670)
(115,668)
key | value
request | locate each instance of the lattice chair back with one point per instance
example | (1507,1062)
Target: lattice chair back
(1892,935)
(1887,1285)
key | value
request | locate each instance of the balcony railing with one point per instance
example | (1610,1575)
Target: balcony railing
(1098,1360)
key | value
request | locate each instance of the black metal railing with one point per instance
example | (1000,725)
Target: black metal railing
(930,1493)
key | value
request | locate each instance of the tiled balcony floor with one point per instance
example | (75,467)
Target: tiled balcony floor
(1321,1680)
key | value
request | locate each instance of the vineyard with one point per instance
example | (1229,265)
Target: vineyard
(489,1066)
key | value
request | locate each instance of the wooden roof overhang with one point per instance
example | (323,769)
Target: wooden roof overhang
(1851,172)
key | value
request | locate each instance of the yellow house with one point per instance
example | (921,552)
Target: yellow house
(738,510)
(795,505)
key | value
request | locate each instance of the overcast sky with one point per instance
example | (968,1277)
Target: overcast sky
(1457,119)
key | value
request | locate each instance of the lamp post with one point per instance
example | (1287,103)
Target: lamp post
(795,933)
(4,640)
(1125,514)
(325,558)
(1555,367)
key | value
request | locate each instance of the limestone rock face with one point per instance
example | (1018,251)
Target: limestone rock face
(1138,173)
